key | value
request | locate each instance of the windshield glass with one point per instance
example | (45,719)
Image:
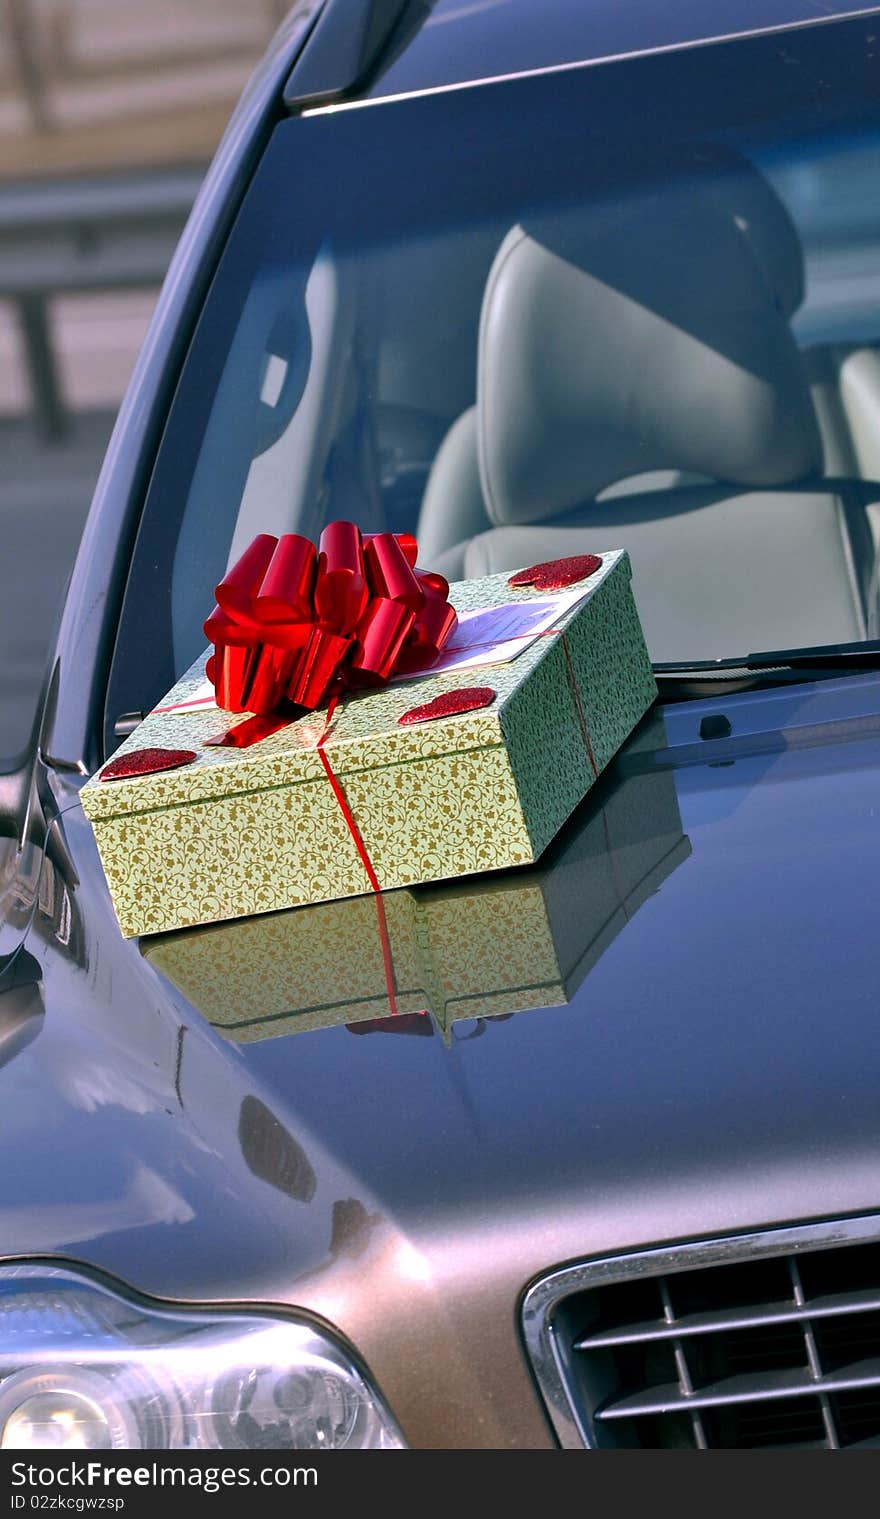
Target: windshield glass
(632,306)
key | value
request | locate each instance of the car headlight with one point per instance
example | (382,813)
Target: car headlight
(87,1367)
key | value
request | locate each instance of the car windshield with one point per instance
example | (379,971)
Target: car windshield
(632,306)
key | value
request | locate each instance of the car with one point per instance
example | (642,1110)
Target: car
(528,281)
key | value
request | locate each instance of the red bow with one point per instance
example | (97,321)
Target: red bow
(292,621)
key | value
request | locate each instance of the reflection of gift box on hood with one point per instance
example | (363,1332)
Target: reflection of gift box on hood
(525,939)
(254,829)
(529,938)
(322,964)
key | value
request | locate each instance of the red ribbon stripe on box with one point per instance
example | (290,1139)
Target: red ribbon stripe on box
(296,625)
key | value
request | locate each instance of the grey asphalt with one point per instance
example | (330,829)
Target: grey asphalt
(45,490)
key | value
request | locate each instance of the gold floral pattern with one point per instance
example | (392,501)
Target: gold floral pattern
(248,831)
(471,949)
(292,971)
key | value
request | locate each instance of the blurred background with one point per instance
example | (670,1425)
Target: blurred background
(110,111)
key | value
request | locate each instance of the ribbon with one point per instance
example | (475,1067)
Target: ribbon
(293,623)
(351,824)
(578,702)
(296,625)
(363,853)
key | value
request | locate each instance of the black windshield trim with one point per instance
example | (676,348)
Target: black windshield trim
(864,655)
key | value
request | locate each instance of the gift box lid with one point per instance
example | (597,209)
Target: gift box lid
(364,734)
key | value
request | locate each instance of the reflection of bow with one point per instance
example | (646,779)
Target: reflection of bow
(292,621)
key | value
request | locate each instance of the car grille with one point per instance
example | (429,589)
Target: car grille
(769,1340)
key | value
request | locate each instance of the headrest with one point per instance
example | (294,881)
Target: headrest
(763,218)
(645,331)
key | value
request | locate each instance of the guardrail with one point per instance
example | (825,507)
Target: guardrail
(83,235)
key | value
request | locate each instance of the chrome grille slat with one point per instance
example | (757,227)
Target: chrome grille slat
(783,1312)
(685,1384)
(770,1340)
(814,1360)
(743,1389)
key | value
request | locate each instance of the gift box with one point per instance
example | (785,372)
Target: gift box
(478,949)
(317,812)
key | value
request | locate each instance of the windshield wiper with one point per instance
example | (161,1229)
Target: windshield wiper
(684,679)
(834,656)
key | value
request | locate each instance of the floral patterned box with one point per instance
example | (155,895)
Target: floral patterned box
(473,949)
(250,830)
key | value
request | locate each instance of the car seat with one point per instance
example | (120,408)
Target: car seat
(642,344)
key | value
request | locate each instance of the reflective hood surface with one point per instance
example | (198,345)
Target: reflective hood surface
(711,1065)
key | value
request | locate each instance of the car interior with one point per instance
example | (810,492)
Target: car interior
(661,403)
(628,372)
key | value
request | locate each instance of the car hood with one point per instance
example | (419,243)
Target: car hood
(711,1064)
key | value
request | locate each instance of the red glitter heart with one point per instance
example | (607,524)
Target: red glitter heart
(450,704)
(147,762)
(555,574)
